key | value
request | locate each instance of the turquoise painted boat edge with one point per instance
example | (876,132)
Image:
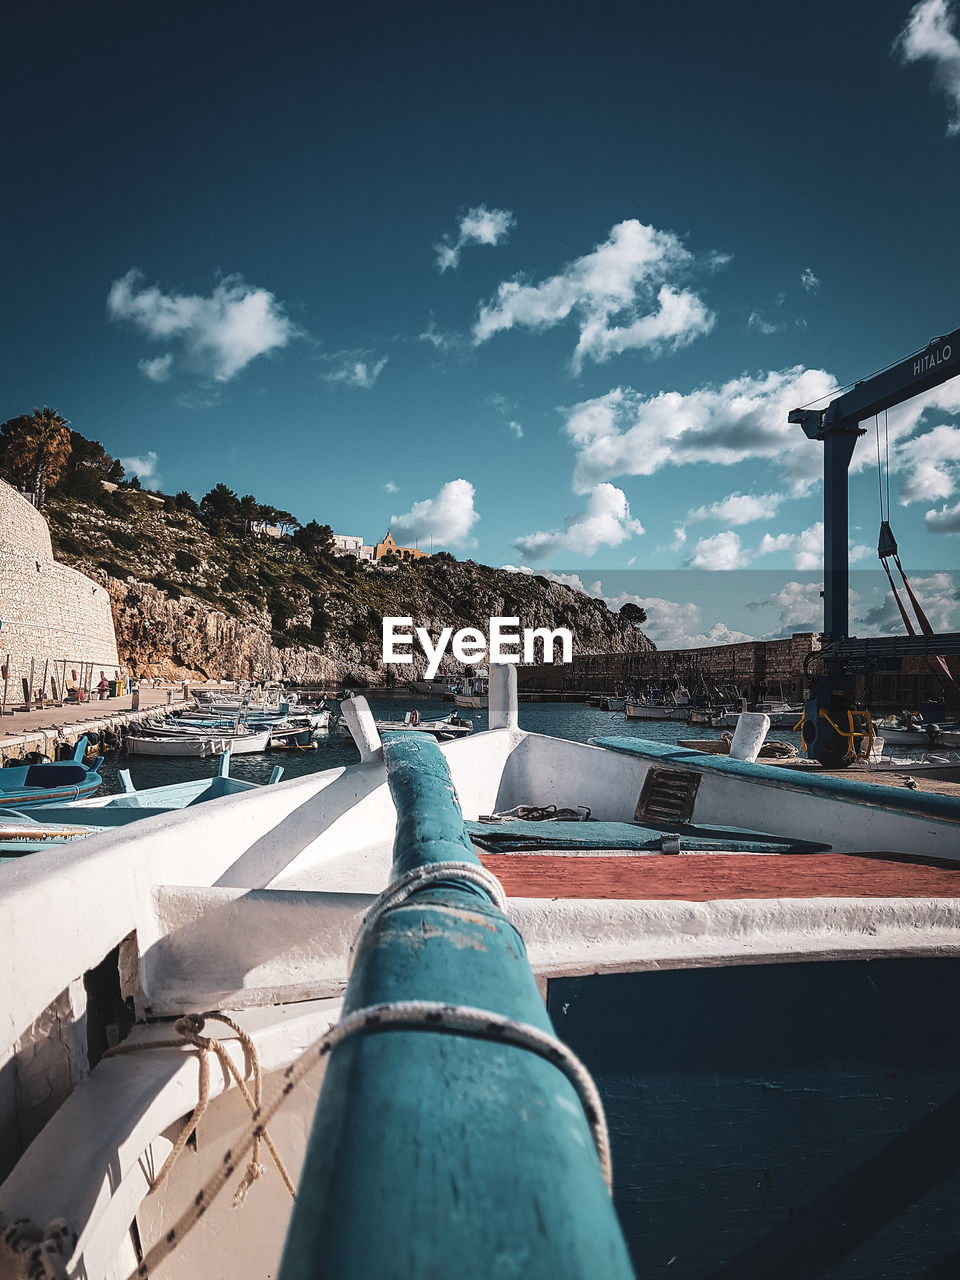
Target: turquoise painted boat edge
(919,803)
(434,1154)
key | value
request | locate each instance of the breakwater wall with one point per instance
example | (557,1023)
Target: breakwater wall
(53,619)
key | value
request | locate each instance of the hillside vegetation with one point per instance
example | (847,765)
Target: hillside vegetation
(198,592)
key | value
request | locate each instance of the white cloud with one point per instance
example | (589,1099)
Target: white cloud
(722,551)
(672,625)
(946,520)
(938,596)
(799,604)
(446,518)
(739,508)
(144,468)
(478,226)
(809,281)
(443,341)
(158,369)
(506,408)
(621,296)
(624,433)
(391,487)
(354,369)
(807,547)
(929,464)
(219,335)
(606,522)
(756,321)
(928,34)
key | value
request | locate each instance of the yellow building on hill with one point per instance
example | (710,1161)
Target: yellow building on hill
(389,548)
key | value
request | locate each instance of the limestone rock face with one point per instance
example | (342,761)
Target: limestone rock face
(195,600)
(185,638)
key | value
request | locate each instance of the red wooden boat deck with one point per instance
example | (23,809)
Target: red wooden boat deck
(702,877)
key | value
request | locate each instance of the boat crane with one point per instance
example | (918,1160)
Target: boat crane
(828,721)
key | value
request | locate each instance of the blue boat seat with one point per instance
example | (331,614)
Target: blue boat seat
(66,775)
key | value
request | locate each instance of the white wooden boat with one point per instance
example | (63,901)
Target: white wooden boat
(918,733)
(444,728)
(471,693)
(167,743)
(248,904)
(613,703)
(674,705)
(783,715)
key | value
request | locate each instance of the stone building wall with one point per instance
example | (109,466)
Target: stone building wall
(50,615)
(755,667)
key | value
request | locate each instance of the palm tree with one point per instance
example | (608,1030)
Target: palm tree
(43,449)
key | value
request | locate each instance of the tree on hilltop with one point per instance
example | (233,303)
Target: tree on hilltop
(632,613)
(249,510)
(220,503)
(36,448)
(184,502)
(313,538)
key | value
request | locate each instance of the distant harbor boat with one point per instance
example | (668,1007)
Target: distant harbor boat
(657,705)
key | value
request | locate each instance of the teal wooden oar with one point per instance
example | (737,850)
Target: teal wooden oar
(435,1153)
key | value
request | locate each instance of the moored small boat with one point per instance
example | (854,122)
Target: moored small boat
(50,782)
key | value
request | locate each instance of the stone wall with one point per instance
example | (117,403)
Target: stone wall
(755,667)
(51,615)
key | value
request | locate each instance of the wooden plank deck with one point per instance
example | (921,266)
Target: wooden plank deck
(705,877)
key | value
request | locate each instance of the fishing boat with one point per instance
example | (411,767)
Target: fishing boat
(613,702)
(443,728)
(431,688)
(25,831)
(919,733)
(783,715)
(471,693)
(721,943)
(657,705)
(50,782)
(170,739)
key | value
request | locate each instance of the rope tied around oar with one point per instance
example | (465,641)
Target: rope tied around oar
(411,1015)
(189,1029)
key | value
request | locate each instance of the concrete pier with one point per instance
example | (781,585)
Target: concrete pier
(44,729)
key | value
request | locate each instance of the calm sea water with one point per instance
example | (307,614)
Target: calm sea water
(572,720)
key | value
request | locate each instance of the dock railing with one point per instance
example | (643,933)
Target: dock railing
(29,681)
(446,1143)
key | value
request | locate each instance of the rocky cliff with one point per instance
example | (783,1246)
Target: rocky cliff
(191,603)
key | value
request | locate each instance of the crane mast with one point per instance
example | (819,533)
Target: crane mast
(826,719)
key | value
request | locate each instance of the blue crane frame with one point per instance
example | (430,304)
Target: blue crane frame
(838,426)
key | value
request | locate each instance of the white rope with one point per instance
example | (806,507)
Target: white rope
(411,1015)
(417,879)
(408,1015)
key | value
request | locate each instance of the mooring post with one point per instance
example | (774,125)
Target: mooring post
(503,709)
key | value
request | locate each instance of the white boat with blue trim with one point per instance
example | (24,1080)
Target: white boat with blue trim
(727,874)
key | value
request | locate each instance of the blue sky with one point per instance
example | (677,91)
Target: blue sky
(536,282)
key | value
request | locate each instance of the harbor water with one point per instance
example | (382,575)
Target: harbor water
(572,720)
